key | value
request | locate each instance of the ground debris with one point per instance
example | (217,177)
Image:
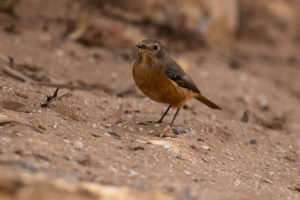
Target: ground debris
(54,97)
(7,66)
(112,134)
(245,118)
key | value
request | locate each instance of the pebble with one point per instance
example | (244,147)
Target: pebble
(237,183)
(66,141)
(43,156)
(107,134)
(83,158)
(205,147)
(186,172)
(19,134)
(112,133)
(132,172)
(178,131)
(167,146)
(21,152)
(78,144)
(253,141)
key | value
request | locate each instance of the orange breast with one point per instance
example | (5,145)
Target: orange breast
(156,85)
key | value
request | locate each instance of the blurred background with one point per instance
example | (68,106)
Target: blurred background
(192,23)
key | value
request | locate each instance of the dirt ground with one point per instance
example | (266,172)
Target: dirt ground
(94,144)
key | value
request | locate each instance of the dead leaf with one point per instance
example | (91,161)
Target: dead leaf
(116,117)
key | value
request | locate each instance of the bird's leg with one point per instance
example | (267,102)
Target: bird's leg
(177,111)
(163,116)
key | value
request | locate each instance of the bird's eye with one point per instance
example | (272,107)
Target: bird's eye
(155,47)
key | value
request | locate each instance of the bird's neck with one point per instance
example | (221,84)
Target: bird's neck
(146,59)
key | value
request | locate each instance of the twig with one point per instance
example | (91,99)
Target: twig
(6,65)
(73,87)
(54,97)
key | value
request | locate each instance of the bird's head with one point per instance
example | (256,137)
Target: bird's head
(151,51)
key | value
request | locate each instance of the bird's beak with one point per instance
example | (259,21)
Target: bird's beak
(141,46)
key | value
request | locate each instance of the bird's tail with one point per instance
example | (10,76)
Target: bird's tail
(207,102)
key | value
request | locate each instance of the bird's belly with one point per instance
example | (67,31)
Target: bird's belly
(157,86)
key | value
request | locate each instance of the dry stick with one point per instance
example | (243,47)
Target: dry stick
(54,97)
(6,67)
(73,87)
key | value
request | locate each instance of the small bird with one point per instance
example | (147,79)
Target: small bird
(160,78)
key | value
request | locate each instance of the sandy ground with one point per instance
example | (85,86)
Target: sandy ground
(92,144)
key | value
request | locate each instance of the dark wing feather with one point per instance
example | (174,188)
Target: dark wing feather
(176,73)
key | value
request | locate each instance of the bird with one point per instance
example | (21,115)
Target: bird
(160,78)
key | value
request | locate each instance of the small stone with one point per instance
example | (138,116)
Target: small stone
(136,148)
(96,134)
(19,134)
(42,127)
(167,146)
(21,152)
(178,131)
(112,133)
(66,141)
(253,141)
(44,156)
(205,147)
(83,158)
(237,183)
(107,134)
(78,144)
(132,172)
(179,157)
(186,172)
(245,117)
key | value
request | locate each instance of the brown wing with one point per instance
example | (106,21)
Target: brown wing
(176,73)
